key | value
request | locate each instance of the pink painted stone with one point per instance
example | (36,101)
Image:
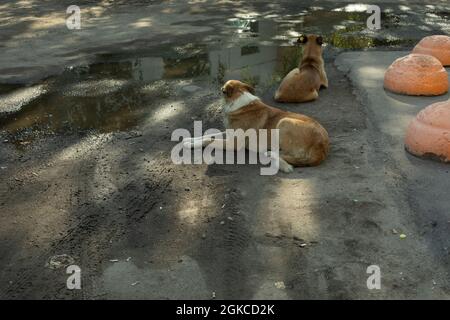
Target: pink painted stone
(417,75)
(437,46)
(429,133)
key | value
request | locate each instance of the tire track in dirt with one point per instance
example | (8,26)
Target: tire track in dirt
(236,242)
(90,227)
(33,269)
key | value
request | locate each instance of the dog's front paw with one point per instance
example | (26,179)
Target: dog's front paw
(286,168)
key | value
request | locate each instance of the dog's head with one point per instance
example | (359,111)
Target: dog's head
(313,43)
(311,40)
(233,89)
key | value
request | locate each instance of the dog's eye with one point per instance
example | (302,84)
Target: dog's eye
(302,39)
(319,41)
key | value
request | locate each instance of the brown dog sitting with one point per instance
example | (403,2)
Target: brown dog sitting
(303,83)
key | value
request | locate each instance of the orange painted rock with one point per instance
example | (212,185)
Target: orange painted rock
(416,75)
(436,46)
(429,133)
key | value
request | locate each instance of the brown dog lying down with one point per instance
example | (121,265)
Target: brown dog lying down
(302,140)
(303,83)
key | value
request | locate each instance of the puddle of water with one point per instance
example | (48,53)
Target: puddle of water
(7,88)
(59,113)
(443,14)
(258,65)
(349,38)
(108,96)
(342,27)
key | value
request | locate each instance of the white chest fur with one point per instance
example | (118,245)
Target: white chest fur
(243,100)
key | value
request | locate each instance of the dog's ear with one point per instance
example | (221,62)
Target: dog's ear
(227,90)
(249,88)
(302,39)
(319,40)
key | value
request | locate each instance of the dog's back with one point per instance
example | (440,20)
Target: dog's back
(303,83)
(300,85)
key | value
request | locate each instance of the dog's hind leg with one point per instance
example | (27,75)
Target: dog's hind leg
(313,95)
(323,77)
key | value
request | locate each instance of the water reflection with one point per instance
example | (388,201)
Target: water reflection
(257,65)
(250,27)
(111,110)
(108,96)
